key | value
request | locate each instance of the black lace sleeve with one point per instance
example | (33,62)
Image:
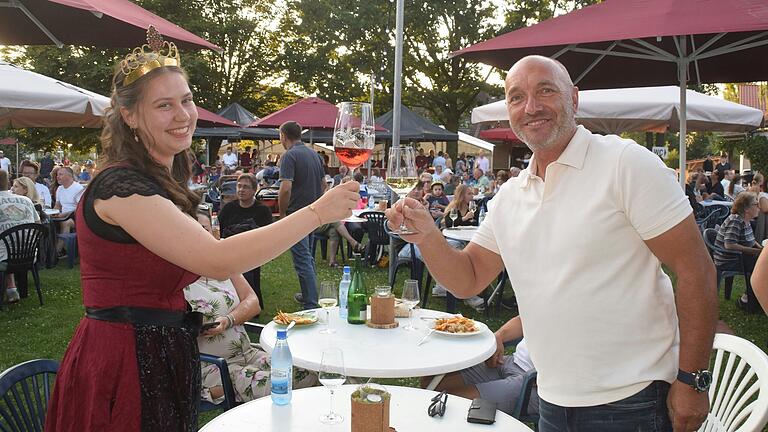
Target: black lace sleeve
(119,182)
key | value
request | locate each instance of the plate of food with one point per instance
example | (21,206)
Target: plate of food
(302,318)
(458,326)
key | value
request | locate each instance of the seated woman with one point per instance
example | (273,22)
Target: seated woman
(736,234)
(230,303)
(14,210)
(461,202)
(26,187)
(500,378)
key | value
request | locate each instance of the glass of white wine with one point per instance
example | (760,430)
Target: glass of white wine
(402,176)
(332,375)
(328,299)
(411,299)
(453,215)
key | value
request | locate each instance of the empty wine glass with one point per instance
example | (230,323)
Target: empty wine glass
(328,298)
(353,135)
(402,175)
(332,375)
(411,299)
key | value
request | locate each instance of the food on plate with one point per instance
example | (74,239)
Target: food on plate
(456,324)
(299,319)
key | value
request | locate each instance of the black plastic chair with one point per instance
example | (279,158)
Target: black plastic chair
(709,239)
(24,393)
(523,401)
(230,400)
(22,243)
(377,235)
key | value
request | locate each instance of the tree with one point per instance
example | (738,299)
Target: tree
(241,27)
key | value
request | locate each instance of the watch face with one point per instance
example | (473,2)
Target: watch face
(703,380)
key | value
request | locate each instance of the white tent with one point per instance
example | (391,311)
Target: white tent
(465,139)
(28,99)
(646,109)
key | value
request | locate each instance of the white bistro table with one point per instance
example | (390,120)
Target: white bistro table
(706,203)
(385,353)
(408,412)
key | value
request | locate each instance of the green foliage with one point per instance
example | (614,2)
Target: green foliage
(756,150)
(673,158)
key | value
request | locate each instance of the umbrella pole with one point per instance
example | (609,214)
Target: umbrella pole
(398,75)
(682,70)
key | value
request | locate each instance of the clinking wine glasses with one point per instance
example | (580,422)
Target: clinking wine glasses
(402,175)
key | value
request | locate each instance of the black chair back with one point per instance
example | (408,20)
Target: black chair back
(25,390)
(376,232)
(22,243)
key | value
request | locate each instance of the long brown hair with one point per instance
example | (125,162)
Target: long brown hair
(121,148)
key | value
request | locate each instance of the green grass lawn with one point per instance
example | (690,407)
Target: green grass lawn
(30,331)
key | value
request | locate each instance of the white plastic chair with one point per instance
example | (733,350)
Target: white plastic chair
(738,396)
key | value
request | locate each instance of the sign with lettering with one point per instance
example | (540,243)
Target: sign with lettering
(661,151)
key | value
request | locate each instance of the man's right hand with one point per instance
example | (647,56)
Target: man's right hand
(417,218)
(497,359)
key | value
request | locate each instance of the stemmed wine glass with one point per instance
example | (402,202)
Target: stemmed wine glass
(332,375)
(453,215)
(353,135)
(402,175)
(329,294)
(411,299)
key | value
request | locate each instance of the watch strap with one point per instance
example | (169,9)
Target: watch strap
(686,378)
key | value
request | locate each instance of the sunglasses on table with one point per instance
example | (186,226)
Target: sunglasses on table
(437,407)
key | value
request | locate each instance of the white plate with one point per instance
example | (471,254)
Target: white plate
(355,219)
(480,328)
(308,314)
(463,228)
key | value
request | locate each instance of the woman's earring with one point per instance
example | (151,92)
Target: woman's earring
(135,136)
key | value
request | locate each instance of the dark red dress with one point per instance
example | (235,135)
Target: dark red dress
(125,377)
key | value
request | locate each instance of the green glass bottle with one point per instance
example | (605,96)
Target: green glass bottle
(357,298)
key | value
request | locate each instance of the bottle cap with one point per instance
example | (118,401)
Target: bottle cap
(347,269)
(282,334)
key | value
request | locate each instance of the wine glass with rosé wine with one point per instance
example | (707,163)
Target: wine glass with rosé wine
(353,136)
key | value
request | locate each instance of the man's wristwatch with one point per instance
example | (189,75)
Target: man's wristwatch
(699,380)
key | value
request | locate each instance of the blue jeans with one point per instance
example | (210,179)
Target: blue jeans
(645,411)
(304,264)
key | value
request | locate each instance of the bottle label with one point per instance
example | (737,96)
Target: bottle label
(279,381)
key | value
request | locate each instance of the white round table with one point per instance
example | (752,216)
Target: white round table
(385,353)
(51,212)
(408,412)
(461,233)
(706,203)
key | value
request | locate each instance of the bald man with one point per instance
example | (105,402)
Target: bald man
(616,348)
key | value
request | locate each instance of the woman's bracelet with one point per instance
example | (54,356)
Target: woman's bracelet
(230,320)
(314,210)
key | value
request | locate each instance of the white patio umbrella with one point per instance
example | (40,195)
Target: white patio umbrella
(646,109)
(28,99)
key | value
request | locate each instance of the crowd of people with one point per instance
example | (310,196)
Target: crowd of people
(586,268)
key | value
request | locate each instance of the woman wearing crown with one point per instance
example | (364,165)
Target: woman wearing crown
(132,364)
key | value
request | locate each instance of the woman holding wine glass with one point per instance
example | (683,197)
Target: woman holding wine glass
(461,210)
(401,174)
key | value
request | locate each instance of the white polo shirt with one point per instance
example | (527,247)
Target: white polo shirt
(598,313)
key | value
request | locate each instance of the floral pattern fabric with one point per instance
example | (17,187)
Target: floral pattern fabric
(249,366)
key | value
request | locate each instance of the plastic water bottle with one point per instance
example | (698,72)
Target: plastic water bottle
(282,370)
(481,218)
(346,279)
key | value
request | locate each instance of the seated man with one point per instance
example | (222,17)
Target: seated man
(67,196)
(30,170)
(14,210)
(500,378)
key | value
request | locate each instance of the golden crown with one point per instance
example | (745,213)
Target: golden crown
(152,55)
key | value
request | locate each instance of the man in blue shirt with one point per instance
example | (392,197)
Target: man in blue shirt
(302,181)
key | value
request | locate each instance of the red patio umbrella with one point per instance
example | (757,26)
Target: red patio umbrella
(104,23)
(623,43)
(206,118)
(499,134)
(310,113)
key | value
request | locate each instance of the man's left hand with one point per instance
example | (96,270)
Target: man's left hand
(687,408)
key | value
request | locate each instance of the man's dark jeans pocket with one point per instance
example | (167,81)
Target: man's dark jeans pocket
(645,411)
